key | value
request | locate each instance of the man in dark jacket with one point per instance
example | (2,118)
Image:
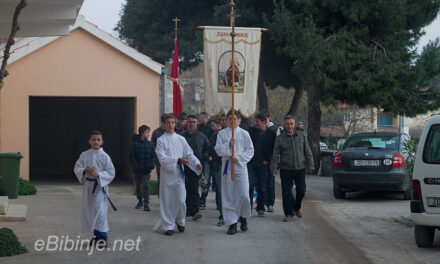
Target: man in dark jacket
(142,161)
(157,133)
(263,140)
(199,144)
(270,184)
(216,167)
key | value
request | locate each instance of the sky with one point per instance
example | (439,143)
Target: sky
(105,14)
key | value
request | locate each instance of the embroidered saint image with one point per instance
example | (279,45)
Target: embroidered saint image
(225,75)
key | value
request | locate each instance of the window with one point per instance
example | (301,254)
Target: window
(372,141)
(385,120)
(431,150)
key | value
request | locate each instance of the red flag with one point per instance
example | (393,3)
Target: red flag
(177,98)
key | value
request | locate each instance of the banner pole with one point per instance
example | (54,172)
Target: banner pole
(232,21)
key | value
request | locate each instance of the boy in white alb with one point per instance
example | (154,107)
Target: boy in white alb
(173,152)
(236,204)
(94,169)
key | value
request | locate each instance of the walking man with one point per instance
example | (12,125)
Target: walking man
(158,132)
(199,144)
(292,153)
(263,140)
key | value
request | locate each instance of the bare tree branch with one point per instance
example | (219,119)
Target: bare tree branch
(11,41)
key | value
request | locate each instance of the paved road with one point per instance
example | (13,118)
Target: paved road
(324,235)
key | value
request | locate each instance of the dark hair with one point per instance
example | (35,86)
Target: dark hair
(235,113)
(261,117)
(289,117)
(142,129)
(216,120)
(95,132)
(203,114)
(222,115)
(191,116)
(164,117)
(266,112)
(182,116)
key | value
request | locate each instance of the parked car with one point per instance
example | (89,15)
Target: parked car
(425,206)
(322,146)
(372,161)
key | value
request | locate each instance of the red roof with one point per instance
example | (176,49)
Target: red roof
(332,131)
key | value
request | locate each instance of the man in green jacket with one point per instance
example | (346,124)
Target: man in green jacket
(292,155)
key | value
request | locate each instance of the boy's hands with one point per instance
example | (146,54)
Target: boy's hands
(231,142)
(91,171)
(183,161)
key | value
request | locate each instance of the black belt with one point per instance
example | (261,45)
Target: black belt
(102,188)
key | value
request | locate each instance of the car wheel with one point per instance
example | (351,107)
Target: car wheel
(424,235)
(407,195)
(337,193)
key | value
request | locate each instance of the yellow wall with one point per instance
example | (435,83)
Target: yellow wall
(75,65)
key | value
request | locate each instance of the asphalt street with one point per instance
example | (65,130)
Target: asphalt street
(332,231)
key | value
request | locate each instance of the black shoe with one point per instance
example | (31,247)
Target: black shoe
(169,232)
(220,222)
(243,224)
(146,207)
(139,205)
(196,217)
(232,229)
(92,242)
(202,206)
(180,228)
(101,242)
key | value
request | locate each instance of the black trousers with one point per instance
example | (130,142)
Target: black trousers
(270,191)
(192,192)
(289,178)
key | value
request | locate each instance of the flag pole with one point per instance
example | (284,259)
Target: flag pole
(177,99)
(232,22)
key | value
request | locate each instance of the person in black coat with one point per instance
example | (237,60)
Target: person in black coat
(142,158)
(263,140)
(199,144)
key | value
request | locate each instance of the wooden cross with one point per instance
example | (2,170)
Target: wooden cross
(233,15)
(175,20)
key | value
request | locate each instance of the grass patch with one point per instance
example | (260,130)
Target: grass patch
(9,245)
(154,187)
(26,188)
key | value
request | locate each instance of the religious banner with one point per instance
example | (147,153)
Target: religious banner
(217,55)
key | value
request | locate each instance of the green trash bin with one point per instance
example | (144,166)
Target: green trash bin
(10,173)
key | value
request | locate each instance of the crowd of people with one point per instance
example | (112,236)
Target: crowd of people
(196,152)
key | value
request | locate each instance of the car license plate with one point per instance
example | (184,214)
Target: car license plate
(434,201)
(366,163)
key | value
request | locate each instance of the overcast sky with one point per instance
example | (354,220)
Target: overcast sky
(105,14)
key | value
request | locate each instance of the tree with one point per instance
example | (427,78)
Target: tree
(146,25)
(357,52)
(10,40)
